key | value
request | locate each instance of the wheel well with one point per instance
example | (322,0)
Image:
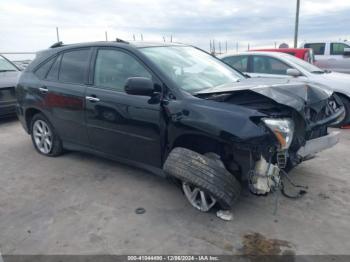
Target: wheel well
(200,144)
(30,113)
(341,95)
(203,144)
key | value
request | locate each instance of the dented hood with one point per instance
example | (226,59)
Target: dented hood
(297,95)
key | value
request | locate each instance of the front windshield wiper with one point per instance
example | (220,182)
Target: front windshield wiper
(318,72)
(8,70)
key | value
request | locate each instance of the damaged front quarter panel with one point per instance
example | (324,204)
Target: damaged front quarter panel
(225,122)
(233,115)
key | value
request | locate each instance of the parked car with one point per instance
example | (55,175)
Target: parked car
(302,53)
(22,64)
(8,78)
(279,65)
(333,56)
(176,111)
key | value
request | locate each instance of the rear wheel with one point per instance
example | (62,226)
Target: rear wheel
(44,137)
(205,180)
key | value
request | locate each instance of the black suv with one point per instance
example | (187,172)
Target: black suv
(176,111)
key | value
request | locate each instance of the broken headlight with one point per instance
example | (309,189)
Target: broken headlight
(283,128)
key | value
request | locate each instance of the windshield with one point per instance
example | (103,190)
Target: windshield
(191,69)
(305,65)
(6,66)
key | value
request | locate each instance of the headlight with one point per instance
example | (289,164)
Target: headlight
(282,128)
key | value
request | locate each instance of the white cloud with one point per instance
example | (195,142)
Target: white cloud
(29,25)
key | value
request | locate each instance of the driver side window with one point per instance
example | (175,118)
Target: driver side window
(269,65)
(338,48)
(113,68)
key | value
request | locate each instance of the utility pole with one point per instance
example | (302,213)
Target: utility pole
(296,25)
(57,35)
(106,36)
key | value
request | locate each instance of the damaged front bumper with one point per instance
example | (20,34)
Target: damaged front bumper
(265,176)
(319,144)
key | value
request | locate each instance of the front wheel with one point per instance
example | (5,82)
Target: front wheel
(346,120)
(44,137)
(205,181)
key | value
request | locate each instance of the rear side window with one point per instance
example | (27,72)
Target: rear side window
(53,73)
(338,48)
(74,66)
(238,62)
(318,48)
(41,72)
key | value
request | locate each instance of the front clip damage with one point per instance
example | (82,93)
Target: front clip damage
(265,177)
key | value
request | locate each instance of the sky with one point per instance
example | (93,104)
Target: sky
(30,25)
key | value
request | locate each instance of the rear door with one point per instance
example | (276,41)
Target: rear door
(64,87)
(119,124)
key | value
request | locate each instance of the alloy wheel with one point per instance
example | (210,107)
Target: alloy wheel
(42,136)
(198,198)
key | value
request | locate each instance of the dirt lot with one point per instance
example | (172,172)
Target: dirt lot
(82,204)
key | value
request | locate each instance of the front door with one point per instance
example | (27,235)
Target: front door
(120,124)
(265,66)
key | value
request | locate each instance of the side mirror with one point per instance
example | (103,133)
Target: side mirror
(140,86)
(293,72)
(347,51)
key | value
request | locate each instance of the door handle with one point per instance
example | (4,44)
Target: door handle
(43,89)
(92,99)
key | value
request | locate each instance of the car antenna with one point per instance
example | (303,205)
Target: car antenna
(57,44)
(121,41)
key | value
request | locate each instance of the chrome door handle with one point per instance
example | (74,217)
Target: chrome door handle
(43,89)
(92,99)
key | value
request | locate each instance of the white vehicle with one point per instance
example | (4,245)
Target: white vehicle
(333,56)
(281,65)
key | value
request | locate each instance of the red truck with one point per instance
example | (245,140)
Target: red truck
(302,53)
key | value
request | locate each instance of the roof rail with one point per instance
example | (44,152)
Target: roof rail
(121,41)
(58,44)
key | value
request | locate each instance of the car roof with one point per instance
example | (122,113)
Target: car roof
(266,53)
(282,49)
(118,43)
(59,47)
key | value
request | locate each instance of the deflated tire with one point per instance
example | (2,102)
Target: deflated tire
(209,176)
